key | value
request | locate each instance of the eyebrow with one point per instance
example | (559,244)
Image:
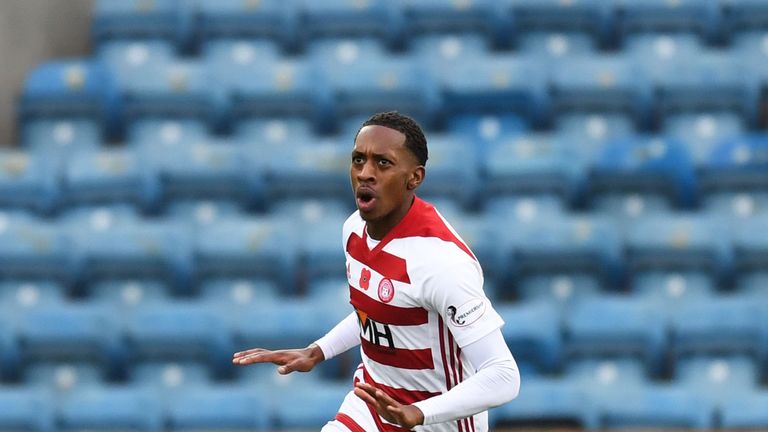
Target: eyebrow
(375,155)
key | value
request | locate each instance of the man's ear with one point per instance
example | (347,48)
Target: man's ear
(417,177)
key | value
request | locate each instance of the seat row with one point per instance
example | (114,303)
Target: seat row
(110,343)
(223,90)
(188,22)
(153,171)
(108,242)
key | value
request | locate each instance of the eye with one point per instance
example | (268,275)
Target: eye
(357,160)
(384,162)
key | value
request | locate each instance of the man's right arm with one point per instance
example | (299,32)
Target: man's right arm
(344,336)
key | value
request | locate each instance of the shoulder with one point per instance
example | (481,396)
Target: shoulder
(354,223)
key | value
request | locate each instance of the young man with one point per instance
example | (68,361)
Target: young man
(431,346)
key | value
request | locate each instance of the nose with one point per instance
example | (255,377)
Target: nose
(367,173)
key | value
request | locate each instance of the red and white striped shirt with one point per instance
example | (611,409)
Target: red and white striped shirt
(418,296)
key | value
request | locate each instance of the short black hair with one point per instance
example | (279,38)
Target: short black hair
(415,140)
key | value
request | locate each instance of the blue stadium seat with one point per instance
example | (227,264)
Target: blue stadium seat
(252,247)
(143,249)
(333,18)
(296,323)
(749,245)
(176,89)
(247,19)
(203,212)
(452,161)
(110,176)
(602,83)
(63,377)
(702,132)
(71,333)
(751,50)
(658,16)
(269,133)
(659,53)
(590,131)
(128,294)
(320,402)
(238,296)
(740,205)
(549,401)
(480,233)
(159,131)
(737,164)
(318,169)
(719,325)
(179,331)
(526,208)
(556,48)
(97,218)
(439,51)
(30,293)
(381,84)
(753,285)
(58,136)
(125,57)
(531,164)
(171,376)
(29,180)
(562,289)
(532,332)
(567,244)
(625,208)
(483,130)
(71,88)
(671,289)
(496,83)
(337,53)
(109,407)
(606,375)
(204,170)
(745,411)
(718,378)
(321,248)
(693,242)
(284,87)
(710,80)
(308,211)
(35,249)
(592,17)
(219,407)
(484,17)
(141,19)
(653,165)
(616,326)
(239,51)
(27,409)
(656,406)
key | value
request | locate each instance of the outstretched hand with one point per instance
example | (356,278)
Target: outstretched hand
(289,360)
(391,410)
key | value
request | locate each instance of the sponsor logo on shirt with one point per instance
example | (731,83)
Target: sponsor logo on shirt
(467,313)
(386,290)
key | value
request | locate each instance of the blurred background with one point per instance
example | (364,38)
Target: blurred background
(176,179)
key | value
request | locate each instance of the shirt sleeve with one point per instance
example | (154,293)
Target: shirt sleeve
(455,291)
(496,382)
(342,337)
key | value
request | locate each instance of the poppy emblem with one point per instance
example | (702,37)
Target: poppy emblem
(365,278)
(386,290)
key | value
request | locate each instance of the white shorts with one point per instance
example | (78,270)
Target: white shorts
(356,416)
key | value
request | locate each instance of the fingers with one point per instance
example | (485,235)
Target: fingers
(247,352)
(258,356)
(374,396)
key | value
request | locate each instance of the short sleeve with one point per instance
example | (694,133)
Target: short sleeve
(455,291)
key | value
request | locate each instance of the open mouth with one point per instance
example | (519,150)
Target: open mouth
(366,198)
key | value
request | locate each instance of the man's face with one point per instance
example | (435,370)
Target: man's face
(384,174)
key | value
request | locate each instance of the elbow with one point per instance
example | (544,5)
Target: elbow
(511,383)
